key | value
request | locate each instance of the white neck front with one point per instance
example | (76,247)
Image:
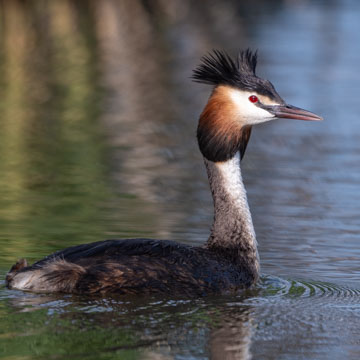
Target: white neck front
(232,230)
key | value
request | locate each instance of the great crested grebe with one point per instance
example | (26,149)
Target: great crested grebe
(229,260)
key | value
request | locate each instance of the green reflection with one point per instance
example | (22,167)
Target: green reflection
(54,160)
(40,335)
(51,153)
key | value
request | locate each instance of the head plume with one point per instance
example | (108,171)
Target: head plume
(219,68)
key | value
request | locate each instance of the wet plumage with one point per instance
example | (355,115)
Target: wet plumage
(135,266)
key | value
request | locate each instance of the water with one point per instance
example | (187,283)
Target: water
(97,119)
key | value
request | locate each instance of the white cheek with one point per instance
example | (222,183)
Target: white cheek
(248,111)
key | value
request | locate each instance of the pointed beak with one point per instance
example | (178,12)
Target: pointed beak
(292,112)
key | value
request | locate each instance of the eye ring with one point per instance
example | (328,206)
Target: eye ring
(253,98)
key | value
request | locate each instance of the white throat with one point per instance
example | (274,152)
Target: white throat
(230,172)
(232,229)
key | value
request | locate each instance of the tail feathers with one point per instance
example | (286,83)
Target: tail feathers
(55,276)
(61,276)
(19,265)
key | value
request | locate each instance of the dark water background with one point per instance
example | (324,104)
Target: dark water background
(97,123)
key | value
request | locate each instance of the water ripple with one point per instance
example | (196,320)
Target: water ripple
(321,293)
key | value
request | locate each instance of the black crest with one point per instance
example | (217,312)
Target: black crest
(219,68)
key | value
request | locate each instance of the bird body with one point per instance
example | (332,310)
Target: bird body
(229,260)
(133,266)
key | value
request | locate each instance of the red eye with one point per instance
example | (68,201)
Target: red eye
(253,98)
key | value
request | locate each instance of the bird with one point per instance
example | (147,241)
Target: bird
(228,262)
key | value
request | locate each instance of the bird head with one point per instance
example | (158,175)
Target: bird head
(239,100)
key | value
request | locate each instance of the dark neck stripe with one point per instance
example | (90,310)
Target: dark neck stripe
(218,147)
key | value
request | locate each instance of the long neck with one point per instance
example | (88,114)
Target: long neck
(232,233)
